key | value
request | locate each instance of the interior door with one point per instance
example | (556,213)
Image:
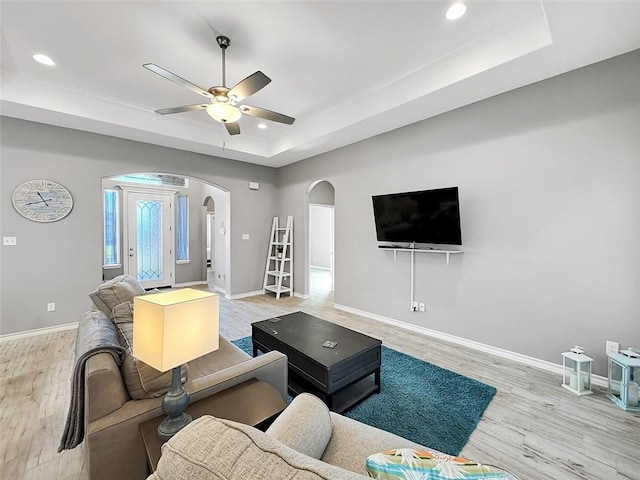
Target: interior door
(150,247)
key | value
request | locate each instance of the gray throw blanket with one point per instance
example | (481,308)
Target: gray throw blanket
(96,334)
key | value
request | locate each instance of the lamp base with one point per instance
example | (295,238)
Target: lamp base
(174,404)
(172,425)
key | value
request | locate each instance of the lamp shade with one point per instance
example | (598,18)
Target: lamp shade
(175,327)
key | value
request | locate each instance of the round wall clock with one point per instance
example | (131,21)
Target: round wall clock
(42,200)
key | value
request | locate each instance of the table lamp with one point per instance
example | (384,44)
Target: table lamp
(170,329)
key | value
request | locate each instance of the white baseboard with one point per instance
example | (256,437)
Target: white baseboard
(244,295)
(38,331)
(498,352)
(190,284)
(300,295)
(327,269)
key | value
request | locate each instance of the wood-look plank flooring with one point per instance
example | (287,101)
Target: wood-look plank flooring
(532,427)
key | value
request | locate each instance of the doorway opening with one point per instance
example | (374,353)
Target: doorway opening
(321,238)
(155,229)
(210,239)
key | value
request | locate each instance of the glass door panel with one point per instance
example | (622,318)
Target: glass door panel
(149,241)
(149,226)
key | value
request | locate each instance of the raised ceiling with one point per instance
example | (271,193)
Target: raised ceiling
(346,70)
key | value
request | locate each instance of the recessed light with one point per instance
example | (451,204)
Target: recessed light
(456,10)
(262,126)
(43,59)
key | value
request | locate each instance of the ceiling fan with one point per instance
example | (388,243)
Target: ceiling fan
(224,102)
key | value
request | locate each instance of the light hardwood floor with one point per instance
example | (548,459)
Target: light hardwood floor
(532,427)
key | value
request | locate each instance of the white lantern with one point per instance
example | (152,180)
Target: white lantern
(576,371)
(623,379)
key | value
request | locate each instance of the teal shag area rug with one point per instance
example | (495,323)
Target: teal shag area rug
(420,401)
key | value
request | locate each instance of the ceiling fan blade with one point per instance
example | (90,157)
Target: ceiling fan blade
(249,86)
(175,78)
(185,108)
(232,127)
(267,114)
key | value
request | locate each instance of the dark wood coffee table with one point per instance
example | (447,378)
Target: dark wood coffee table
(342,376)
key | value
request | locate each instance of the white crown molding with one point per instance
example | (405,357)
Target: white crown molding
(490,349)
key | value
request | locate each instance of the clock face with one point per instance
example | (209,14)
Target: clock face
(42,200)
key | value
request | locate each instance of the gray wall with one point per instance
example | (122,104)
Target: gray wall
(549,179)
(61,262)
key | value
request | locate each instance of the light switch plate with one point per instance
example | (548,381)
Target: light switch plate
(245,236)
(8,240)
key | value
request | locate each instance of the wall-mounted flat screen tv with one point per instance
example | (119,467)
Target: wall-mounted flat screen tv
(427,216)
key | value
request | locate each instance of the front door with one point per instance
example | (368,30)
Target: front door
(150,239)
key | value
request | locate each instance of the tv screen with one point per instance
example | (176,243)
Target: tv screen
(427,216)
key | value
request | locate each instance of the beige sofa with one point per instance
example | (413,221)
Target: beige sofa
(306,442)
(112,443)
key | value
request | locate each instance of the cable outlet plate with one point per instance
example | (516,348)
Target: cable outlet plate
(612,347)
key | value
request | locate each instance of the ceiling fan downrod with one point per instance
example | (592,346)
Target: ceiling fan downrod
(224,43)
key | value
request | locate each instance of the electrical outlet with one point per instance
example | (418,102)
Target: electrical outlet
(414,307)
(8,240)
(612,347)
(51,307)
(421,307)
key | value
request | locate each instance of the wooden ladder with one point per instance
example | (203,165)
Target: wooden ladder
(278,274)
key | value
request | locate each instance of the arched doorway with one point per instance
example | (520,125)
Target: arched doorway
(184,247)
(320,238)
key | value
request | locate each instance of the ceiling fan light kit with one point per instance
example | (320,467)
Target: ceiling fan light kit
(224,112)
(224,106)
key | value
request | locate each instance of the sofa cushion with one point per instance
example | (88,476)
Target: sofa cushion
(304,426)
(116,291)
(344,452)
(403,463)
(210,448)
(142,381)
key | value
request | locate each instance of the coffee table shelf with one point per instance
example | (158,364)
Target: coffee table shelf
(343,399)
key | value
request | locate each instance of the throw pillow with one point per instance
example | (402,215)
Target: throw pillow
(404,463)
(116,291)
(142,381)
